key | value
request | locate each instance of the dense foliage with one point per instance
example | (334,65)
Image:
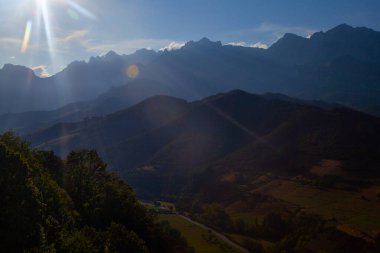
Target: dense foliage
(50,205)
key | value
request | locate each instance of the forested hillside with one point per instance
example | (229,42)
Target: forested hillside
(72,205)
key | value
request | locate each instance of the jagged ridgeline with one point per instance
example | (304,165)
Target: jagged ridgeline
(73,205)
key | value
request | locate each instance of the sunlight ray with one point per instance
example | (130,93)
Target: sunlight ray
(81,9)
(46,21)
(38,23)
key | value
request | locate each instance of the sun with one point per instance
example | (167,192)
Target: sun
(42,13)
(42,3)
(39,2)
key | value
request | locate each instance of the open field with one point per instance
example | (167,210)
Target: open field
(241,239)
(199,238)
(359,209)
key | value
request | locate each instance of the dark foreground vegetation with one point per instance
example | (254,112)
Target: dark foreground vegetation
(75,205)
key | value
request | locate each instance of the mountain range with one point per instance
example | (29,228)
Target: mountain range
(248,154)
(338,66)
(21,90)
(165,137)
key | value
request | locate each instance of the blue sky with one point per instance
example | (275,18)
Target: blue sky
(79,29)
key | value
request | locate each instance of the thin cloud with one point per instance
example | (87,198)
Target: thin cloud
(82,41)
(173,46)
(269,33)
(73,36)
(279,30)
(41,71)
(72,41)
(237,44)
(245,44)
(125,46)
(260,45)
(12,41)
(10,45)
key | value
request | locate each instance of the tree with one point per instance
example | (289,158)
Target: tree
(215,215)
(84,174)
(95,212)
(20,214)
(34,210)
(120,240)
(53,164)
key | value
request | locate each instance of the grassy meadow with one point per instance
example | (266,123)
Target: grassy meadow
(197,237)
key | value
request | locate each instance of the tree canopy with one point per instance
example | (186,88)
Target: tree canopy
(72,205)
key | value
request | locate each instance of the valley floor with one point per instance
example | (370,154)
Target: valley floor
(201,237)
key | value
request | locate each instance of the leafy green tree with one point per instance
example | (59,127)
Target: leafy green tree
(119,239)
(215,215)
(53,164)
(34,210)
(83,240)
(102,199)
(84,176)
(20,216)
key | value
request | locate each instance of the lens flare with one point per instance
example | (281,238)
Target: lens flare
(26,40)
(133,71)
(42,20)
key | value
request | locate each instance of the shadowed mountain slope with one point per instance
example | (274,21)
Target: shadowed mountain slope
(21,90)
(164,137)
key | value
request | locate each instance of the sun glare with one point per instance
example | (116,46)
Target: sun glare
(42,13)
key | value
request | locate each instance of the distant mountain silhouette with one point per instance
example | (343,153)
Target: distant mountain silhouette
(147,115)
(164,138)
(324,47)
(21,90)
(18,91)
(115,99)
(337,66)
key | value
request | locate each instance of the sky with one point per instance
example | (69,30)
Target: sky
(46,35)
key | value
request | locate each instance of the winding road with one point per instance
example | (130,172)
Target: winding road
(221,236)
